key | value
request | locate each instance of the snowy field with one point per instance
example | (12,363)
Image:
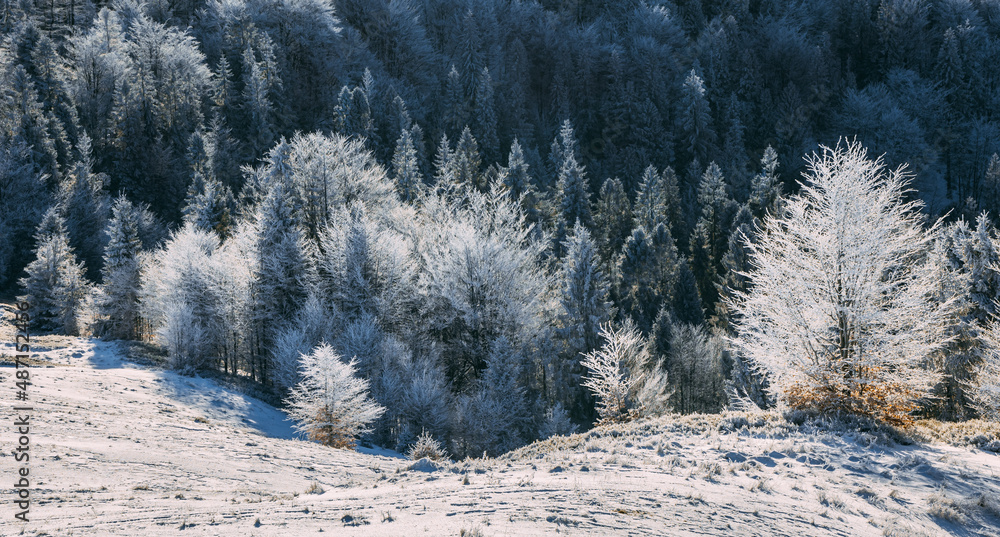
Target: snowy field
(123,449)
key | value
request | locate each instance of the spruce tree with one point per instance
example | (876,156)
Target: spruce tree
(586,305)
(85,206)
(466,162)
(517,178)
(455,103)
(486,118)
(710,238)
(282,279)
(695,119)
(647,274)
(55,285)
(612,221)
(119,308)
(406,168)
(210,205)
(765,189)
(650,207)
(574,200)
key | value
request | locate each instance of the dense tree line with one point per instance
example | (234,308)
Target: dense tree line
(463,194)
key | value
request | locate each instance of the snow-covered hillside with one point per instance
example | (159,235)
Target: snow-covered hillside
(122,449)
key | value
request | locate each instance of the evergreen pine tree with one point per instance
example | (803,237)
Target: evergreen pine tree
(282,279)
(765,190)
(710,238)
(455,104)
(353,114)
(210,205)
(687,302)
(85,206)
(444,175)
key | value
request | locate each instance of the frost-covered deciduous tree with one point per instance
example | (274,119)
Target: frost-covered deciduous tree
(330,404)
(610,376)
(176,297)
(839,310)
(481,278)
(985,391)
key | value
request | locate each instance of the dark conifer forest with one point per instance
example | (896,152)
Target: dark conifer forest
(499,220)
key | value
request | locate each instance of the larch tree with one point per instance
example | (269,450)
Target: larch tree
(839,311)
(620,376)
(330,404)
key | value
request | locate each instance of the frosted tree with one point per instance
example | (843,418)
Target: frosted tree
(518,180)
(444,177)
(612,220)
(556,423)
(176,297)
(55,285)
(709,241)
(210,205)
(486,117)
(697,371)
(615,371)
(839,312)
(119,307)
(646,274)
(986,386)
(353,115)
(330,404)
(574,201)
(765,188)
(586,307)
(492,418)
(282,267)
(695,118)
(406,167)
(650,207)
(85,206)
(22,204)
(426,400)
(482,278)
(455,103)
(466,162)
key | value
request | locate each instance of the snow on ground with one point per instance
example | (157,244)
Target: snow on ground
(122,449)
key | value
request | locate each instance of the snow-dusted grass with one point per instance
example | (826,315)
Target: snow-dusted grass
(123,449)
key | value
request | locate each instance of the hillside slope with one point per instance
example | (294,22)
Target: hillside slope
(122,449)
